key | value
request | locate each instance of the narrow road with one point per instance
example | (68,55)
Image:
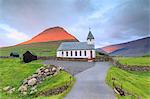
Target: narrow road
(90,82)
(70,66)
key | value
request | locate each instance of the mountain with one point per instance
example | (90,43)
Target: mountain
(44,44)
(138,47)
(51,34)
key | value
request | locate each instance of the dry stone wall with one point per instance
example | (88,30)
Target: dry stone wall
(129,67)
(29,84)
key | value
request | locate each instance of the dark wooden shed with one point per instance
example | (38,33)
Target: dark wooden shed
(28,57)
(14,54)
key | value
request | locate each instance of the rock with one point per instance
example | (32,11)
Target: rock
(34,75)
(25,82)
(41,68)
(24,93)
(11,90)
(46,70)
(33,91)
(33,88)
(7,88)
(53,69)
(30,77)
(60,68)
(40,73)
(32,81)
(23,88)
(38,70)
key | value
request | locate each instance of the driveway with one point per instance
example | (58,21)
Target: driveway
(72,67)
(90,78)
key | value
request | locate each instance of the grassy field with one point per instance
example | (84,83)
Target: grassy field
(13,72)
(141,61)
(136,83)
(39,49)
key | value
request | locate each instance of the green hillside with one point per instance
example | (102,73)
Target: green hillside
(39,49)
(10,78)
(132,61)
(135,83)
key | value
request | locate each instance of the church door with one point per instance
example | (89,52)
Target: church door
(91,54)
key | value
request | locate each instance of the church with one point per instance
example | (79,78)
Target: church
(78,49)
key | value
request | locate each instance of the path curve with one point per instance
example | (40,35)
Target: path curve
(90,79)
(91,84)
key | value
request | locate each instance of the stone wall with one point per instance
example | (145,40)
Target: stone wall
(129,67)
(29,84)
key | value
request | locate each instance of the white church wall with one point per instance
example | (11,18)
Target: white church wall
(59,54)
(88,54)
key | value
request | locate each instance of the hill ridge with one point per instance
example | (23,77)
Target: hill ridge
(137,47)
(51,34)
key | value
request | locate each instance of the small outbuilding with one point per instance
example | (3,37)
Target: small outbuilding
(28,57)
(14,54)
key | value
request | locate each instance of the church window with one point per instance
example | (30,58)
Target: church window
(80,53)
(66,53)
(71,53)
(75,53)
(85,53)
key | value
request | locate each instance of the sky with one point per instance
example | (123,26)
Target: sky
(111,21)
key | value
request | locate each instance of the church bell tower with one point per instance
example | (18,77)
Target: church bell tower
(90,38)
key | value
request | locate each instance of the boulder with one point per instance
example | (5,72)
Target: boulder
(33,88)
(38,70)
(24,93)
(60,68)
(32,81)
(23,88)
(34,75)
(54,69)
(11,90)
(33,91)
(25,81)
(7,88)
(46,70)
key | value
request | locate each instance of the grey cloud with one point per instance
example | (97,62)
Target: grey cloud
(128,20)
(83,6)
(35,14)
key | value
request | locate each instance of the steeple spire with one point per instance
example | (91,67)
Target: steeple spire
(90,38)
(90,35)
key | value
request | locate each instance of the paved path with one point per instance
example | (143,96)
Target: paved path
(90,78)
(90,84)
(70,66)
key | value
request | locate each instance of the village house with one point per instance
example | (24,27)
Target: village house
(78,49)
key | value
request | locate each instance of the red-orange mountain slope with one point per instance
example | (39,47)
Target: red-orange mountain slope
(52,34)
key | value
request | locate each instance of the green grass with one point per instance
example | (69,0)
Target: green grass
(141,61)
(136,83)
(39,49)
(13,72)
(59,80)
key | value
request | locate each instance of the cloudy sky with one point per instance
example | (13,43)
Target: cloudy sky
(111,21)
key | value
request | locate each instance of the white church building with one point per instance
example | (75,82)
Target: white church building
(78,49)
